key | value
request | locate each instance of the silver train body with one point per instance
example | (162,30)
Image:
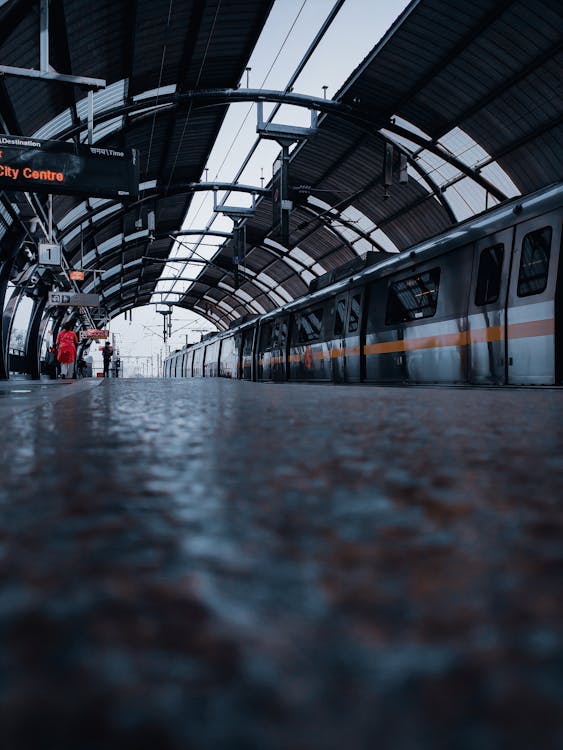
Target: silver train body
(479,304)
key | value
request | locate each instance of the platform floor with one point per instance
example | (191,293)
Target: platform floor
(216,564)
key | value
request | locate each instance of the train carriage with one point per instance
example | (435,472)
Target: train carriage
(480,304)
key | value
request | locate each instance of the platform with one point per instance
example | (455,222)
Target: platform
(218,564)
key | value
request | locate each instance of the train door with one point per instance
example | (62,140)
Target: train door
(352,342)
(264,350)
(486,320)
(530,313)
(197,369)
(309,351)
(336,344)
(279,352)
(247,345)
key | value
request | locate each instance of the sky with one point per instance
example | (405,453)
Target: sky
(286,36)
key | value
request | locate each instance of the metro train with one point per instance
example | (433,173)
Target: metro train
(478,304)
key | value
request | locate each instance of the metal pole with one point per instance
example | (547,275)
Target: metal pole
(90,116)
(44,37)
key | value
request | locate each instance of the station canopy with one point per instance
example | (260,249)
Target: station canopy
(469,94)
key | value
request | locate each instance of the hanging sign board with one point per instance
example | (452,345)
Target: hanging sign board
(77,275)
(94,333)
(74,299)
(32,165)
(49,254)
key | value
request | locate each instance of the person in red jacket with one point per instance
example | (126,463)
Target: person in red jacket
(66,349)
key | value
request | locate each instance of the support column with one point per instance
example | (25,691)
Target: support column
(33,339)
(7,322)
(5,272)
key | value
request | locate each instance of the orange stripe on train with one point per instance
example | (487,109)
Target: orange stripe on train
(463,338)
(476,336)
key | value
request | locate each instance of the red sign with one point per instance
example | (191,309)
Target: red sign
(77,275)
(94,333)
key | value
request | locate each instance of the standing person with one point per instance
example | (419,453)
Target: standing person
(51,364)
(81,367)
(107,352)
(66,350)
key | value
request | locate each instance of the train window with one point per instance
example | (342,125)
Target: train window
(489,275)
(534,263)
(413,298)
(266,337)
(340,316)
(281,334)
(310,324)
(354,319)
(247,342)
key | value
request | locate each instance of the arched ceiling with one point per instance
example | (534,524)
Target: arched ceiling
(470,93)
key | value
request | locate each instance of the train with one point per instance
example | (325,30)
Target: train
(479,304)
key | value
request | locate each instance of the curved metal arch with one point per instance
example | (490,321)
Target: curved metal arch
(278,256)
(181,295)
(155,194)
(261,287)
(215,97)
(177,188)
(231,294)
(202,98)
(222,96)
(148,260)
(272,251)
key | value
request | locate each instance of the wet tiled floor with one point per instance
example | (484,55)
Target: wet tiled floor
(216,564)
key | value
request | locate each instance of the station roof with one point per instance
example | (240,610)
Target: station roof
(469,93)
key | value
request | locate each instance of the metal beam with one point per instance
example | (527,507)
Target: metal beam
(162,104)
(81,81)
